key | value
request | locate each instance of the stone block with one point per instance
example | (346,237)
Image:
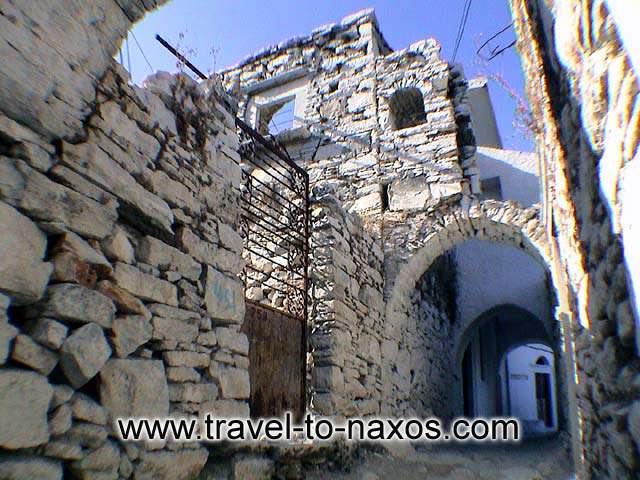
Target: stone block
(24,402)
(51,202)
(86,409)
(70,242)
(134,388)
(409,194)
(186,359)
(179,465)
(207,339)
(118,247)
(124,301)
(95,164)
(232,340)
(234,382)
(76,304)
(252,467)
(229,238)
(192,392)
(19,467)
(145,286)
(170,329)
(224,298)
(61,394)
(165,257)
(225,409)
(23,274)
(173,192)
(63,449)
(208,253)
(84,353)
(60,420)
(166,311)
(7,334)
(68,268)
(33,355)
(87,435)
(104,459)
(48,332)
(183,374)
(129,333)
(328,379)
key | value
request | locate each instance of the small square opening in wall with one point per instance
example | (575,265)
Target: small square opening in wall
(277,117)
(491,188)
(406,108)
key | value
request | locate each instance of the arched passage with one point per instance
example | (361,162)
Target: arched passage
(528,386)
(410,264)
(481,385)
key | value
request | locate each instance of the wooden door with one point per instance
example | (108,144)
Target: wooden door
(276,361)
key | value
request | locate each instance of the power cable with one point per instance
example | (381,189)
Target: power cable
(463,24)
(142,52)
(464,9)
(129,57)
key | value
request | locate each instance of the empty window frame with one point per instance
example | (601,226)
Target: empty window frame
(277,117)
(406,108)
(491,189)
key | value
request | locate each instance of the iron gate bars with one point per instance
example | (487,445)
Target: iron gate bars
(275,225)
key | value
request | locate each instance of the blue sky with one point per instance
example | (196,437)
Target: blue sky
(237,28)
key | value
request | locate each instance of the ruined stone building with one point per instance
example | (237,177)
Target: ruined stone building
(388,141)
(126,242)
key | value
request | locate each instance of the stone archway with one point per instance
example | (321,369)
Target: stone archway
(494,333)
(431,235)
(542,334)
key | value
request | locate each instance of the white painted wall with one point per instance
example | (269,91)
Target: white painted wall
(518,172)
(518,370)
(491,274)
(484,398)
(483,118)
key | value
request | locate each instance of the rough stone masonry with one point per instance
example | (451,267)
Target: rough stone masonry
(387,141)
(119,256)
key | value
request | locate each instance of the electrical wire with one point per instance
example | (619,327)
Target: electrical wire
(129,56)
(142,52)
(463,24)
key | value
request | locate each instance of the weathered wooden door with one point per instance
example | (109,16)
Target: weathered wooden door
(275,355)
(275,226)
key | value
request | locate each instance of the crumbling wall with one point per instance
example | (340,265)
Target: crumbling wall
(54,55)
(347,313)
(348,144)
(584,95)
(119,257)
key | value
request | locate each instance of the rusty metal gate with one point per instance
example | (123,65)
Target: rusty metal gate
(275,227)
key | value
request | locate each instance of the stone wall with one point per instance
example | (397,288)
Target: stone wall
(347,313)
(119,257)
(584,95)
(424,367)
(347,142)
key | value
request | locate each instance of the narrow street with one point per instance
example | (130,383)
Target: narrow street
(536,459)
